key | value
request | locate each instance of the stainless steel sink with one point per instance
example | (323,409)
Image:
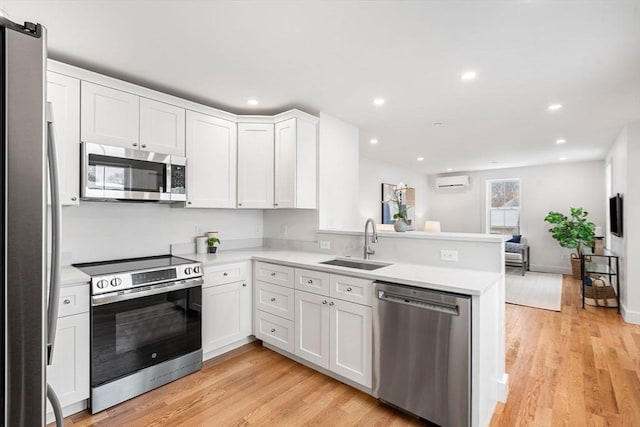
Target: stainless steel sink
(359,264)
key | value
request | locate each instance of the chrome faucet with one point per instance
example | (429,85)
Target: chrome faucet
(368,250)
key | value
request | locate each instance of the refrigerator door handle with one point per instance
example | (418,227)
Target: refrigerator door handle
(56,211)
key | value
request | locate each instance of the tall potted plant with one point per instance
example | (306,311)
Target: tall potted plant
(572,232)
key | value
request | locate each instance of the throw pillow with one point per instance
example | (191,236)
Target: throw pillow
(515,239)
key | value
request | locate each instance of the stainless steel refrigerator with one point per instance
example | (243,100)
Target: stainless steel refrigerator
(30,232)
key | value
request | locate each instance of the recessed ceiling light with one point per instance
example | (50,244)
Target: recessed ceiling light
(373,141)
(252,101)
(468,75)
(554,107)
(378,101)
(420,158)
(437,124)
(449,169)
(563,159)
(560,141)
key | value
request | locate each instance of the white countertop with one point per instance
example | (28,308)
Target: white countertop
(70,276)
(467,282)
(465,237)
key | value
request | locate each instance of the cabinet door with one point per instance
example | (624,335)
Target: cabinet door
(285,164)
(162,127)
(109,116)
(351,344)
(211,167)
(226,314)
(69,372)
(255,165)
(312,328)
(64,94)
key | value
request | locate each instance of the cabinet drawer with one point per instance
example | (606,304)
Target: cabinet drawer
(312,281)
(73,300)
(222,274)
(275,299)
(276,274)
(274,330)
(351,289)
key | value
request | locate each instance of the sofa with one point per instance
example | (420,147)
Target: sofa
(516,253)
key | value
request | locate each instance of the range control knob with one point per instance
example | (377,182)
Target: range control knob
(196,269)
(102,284)
(187,270)
(116,282)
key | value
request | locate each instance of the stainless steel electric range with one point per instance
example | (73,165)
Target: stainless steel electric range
(145,325)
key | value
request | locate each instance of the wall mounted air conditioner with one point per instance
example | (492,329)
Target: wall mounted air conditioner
(452,181)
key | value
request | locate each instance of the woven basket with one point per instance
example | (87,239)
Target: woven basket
(575,267)
(600,293)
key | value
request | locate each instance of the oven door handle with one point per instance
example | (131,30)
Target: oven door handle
(145,292)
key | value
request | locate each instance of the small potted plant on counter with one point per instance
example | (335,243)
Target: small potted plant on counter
(211,244)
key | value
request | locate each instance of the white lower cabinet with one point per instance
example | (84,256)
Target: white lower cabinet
(68,375)
(274,330)
(226,315)
(351,344)
(312,328)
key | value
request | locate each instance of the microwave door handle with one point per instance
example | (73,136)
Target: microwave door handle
(56,211)
(168,180)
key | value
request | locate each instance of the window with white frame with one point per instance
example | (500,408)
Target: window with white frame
(503,206)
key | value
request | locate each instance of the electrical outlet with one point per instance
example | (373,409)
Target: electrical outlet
(448,255)
(325,244)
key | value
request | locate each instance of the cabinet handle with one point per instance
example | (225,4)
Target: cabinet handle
(332,303)
(273,300)
(310,281)
(74,198)
(273,274)
(239,204)
(144,145)
(188,203)
(324,302)
(349,289)
(273,330)
(135,144)
(225,274)
(275,204)
(244,285)
(67,301)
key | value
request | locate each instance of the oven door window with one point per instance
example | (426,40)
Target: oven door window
(131,335)
(114,173)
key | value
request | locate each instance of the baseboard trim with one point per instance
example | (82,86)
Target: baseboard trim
(227,348)
(630,316)
(502,387)
(550,269)
(74,408)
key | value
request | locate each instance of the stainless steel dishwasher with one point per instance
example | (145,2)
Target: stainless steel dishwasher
(422,352)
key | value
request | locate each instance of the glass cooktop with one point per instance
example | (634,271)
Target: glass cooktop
(131,264)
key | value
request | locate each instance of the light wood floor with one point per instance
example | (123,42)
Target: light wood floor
(573,368)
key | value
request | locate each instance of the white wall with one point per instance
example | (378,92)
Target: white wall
(338,173)
(624,156)
(373,173)
(98,231)
(544,188)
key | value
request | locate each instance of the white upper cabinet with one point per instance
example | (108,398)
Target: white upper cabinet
(211,169)
(162,127)
(295,164)
(64,94)
(255,165)
(109,116)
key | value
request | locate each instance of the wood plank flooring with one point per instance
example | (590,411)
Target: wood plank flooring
(573,368)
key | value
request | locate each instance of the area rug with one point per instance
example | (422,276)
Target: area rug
(538,290)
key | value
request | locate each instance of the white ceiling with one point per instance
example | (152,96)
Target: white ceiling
(337,56)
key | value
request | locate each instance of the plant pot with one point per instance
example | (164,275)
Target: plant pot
(400,225)
(212,249)
(575,267)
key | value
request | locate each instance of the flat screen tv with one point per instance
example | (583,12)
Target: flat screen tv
(615,215)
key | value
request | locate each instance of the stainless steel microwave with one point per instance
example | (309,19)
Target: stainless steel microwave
(116,173)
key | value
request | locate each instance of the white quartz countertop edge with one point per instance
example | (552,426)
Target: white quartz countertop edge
(465,237)
(461,281)
(71,276)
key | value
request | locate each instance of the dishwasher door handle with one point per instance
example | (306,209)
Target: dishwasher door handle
(426,305)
